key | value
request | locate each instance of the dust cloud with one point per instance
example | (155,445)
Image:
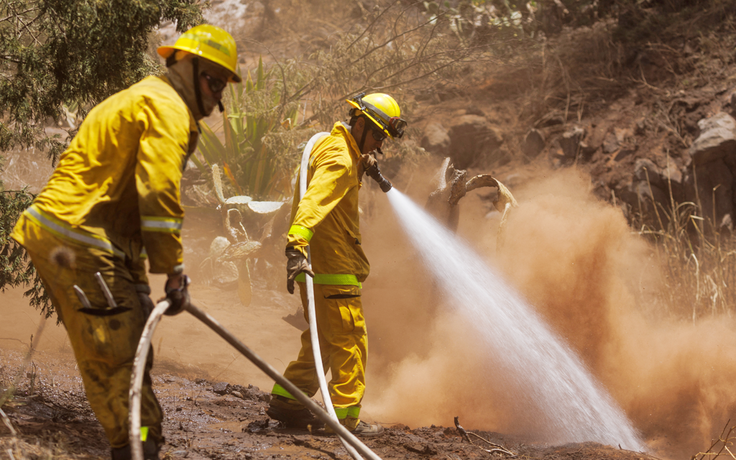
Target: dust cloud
(577,262)
(573,258)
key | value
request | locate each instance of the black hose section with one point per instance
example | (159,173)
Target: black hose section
(365,133)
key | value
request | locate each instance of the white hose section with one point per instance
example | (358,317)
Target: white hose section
(304,168)
(352,444)
(311,315)
(139,365)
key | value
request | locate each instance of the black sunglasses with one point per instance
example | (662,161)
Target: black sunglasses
(215,84)
(378,133)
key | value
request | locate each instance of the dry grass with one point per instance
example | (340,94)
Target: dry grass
(698,259)
(50,446)
(700,271)
(573,72)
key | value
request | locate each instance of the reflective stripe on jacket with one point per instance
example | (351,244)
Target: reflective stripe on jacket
(118,182)
(326,218)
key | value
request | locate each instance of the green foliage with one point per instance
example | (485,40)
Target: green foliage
(259,135)
(74,53)
(16,268)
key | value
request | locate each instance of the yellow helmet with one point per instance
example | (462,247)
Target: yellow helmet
(209,42)
(381,109)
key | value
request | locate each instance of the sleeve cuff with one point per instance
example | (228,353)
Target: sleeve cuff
(304,232)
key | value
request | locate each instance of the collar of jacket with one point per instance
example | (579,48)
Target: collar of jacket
(179,77)
(344,130)
(193,123)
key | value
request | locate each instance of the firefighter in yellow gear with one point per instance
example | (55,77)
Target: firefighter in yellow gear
(326,219)
(114,200)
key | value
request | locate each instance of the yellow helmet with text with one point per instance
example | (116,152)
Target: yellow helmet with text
(382,110)
(209,42)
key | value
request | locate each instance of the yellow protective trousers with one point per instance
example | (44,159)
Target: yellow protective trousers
(104,340)
(343,342)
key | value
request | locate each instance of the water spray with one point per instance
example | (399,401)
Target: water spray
(573,405)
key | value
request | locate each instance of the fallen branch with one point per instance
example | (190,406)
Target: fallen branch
(724,441)
(495,447)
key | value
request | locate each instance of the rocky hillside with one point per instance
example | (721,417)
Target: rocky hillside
(651,122)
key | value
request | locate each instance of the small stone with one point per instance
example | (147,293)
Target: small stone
(570,142)
(220,388)
(717,139)
(533,143)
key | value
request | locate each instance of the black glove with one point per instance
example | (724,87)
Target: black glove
(296,264)
(146,303)
(179,297)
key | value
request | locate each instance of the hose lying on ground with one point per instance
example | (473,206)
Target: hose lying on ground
(139,365)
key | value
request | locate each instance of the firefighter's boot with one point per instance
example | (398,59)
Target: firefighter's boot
(150,451)
(358,427)
(291,413)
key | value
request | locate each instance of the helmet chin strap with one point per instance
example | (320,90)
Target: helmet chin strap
(362,138)
(197,89)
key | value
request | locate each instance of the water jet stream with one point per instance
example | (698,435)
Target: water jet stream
(574,406)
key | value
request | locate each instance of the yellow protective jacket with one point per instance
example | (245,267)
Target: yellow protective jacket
(326,219)
(116,187)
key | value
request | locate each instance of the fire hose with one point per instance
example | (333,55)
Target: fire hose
(311,315)
(352,444)
(139,365)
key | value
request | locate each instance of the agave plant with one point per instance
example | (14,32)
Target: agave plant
(253,154)
(252,162)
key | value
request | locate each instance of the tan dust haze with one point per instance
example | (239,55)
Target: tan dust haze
(576,260)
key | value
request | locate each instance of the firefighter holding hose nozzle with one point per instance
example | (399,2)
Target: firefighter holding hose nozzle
(326,220)
(114,199)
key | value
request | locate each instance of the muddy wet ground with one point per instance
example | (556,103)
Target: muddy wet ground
(218,420)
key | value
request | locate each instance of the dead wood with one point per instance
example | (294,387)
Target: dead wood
(495,447)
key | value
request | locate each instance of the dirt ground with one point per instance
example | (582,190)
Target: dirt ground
(215,400)
(424,371)
(208,415)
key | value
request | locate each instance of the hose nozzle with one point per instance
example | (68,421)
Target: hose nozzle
(375,173)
